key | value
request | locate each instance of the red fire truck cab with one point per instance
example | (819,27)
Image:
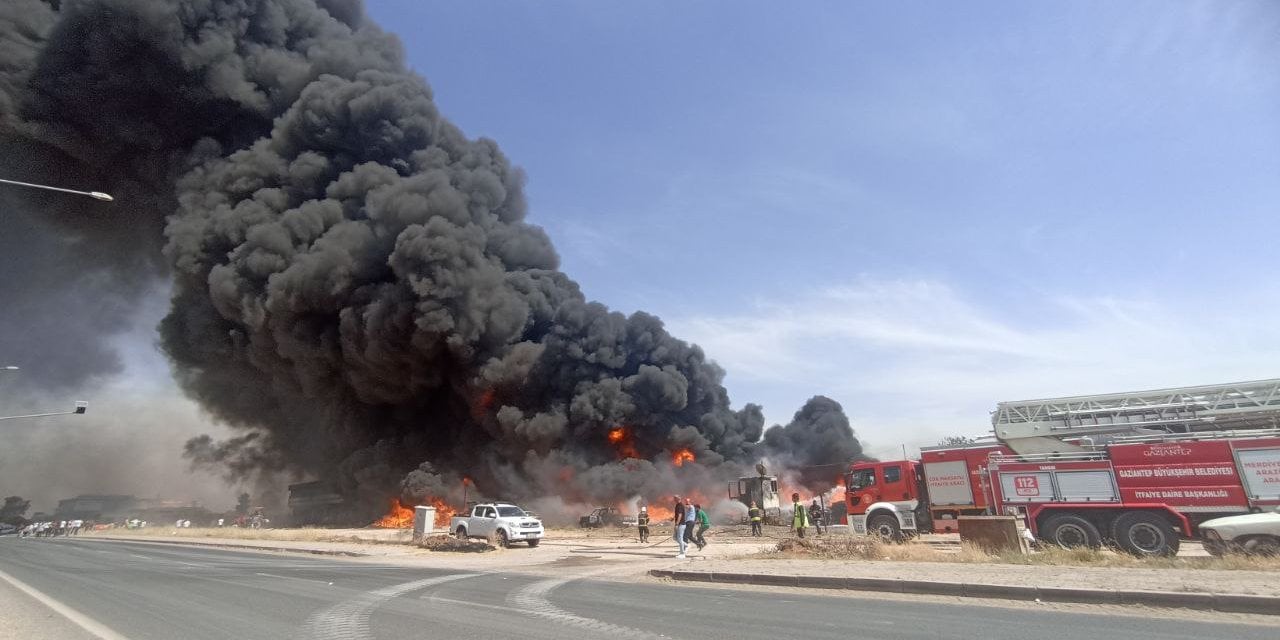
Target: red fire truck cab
(1163,462)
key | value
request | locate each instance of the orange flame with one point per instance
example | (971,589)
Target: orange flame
(659,514)
(444,512)
(401,517)
(663,511)
(623,443)
(681,456)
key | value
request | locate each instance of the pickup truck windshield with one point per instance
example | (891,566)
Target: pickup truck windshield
(510,512)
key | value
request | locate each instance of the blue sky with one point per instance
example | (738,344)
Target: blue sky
(919,209)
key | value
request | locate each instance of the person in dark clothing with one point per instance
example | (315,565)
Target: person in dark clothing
(679,528)
(756,514)
(815,516)
(642,524)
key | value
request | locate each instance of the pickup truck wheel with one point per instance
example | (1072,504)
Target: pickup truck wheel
(1071,531)
(885,527)
(533,542)
(503,540)
(461,533)
(1262,546)
(1145,534)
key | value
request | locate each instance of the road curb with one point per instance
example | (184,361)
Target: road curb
(1226,602)
(225,545)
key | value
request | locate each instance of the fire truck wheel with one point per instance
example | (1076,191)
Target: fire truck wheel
(885,526)
(1071,531)
(1145,534)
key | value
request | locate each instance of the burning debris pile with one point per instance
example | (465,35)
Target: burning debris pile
(354,284)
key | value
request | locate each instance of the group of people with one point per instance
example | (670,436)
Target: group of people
(49,529)
(803,517)
(691,525)
(691,521)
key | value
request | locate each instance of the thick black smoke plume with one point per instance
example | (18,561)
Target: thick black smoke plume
(354,283)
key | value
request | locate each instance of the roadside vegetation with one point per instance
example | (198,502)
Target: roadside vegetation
(871,549)
(304,534)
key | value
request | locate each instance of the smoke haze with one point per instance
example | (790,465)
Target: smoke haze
(355,290)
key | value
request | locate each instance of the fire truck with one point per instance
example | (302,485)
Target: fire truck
(1132,470)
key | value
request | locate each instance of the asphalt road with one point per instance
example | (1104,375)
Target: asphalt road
(139,590)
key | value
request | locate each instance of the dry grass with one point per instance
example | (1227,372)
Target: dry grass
(851,548)
(305,534)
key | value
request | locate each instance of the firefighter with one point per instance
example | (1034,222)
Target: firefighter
(799,515)
(815,515)
(757,516)
(642,524)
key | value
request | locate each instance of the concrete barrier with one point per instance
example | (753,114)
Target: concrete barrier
(1226,602)
(1000,591)
(996,534)
(1081,596)
(1240,603)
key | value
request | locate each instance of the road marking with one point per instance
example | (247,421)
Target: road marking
(349,620)
(272,575)
(533,600)
(79,619)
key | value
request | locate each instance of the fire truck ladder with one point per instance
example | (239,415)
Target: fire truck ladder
(1039,426)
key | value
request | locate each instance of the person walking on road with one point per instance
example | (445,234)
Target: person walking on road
(757,516)
(679,527)
(642,524)
(815,515)
(799,515)
(704,523)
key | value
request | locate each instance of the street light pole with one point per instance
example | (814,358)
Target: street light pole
(80,408)
(97,195)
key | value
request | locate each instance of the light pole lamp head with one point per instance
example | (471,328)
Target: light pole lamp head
(81,407)
(105,197)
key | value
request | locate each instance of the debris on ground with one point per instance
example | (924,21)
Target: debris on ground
(450,543)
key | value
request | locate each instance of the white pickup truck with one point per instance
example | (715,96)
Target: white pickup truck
(505,523)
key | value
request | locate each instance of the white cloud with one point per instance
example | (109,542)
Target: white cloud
(915,360)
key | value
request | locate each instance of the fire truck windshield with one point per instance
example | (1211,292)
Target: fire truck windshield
(861,479)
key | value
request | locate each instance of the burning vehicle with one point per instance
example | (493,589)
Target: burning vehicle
(606,517)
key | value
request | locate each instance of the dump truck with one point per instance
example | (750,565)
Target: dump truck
(762,489)
(1135,470)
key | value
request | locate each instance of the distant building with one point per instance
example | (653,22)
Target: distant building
(118,508)
(97,508)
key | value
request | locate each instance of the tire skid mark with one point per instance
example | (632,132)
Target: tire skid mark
(349,620)
(533,600)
